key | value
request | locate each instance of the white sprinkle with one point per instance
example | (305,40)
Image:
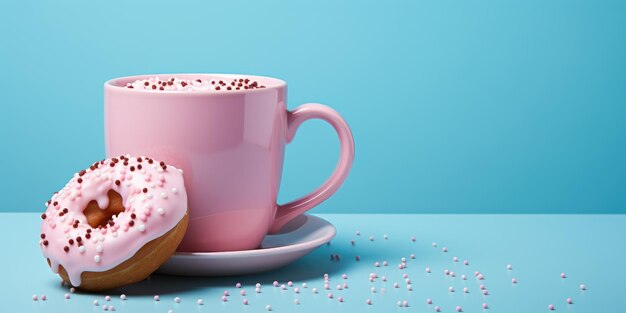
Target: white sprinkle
(296,301)
(177,300)
(163,195)
(304,285)
(314,290)
(81,249)
(258,285)
(141,227)
(123,296)
(98,248)
(95,302)
(268,307)
(97,258)
(174,190)
(72,290)
(200,302)
(161,211)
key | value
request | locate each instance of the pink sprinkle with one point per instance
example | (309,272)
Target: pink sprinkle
(452,274)
(482,287)
(569,300)
(296,290)
(401,266)
(330,295)
(463,277)
(368,301)
(326,286)
(290,283)
(476,273)
(437,309)
(226,293)
(485,306)
(480,277)
(345,285)
(72,290)
(563,275)
(405,304)
(105,307)
(409,288)
(242,292)
(395,285)
(485,292)
(177,300)
(224,298)
(465,290)
(466,262)
(429,301)
(551,307)
(408,280)
(107,298)
(156,298)
(372,279)
(344,276)
(238,285)
(340,299)
(43,297)
(275,283)
(111,308)
(339,287)
(459,308)
(376,264)
(514,280)
(67,296)
(384,263)
(384,278)
(444,249)
(34,297)
(405,275)
(283,287)
(245,301)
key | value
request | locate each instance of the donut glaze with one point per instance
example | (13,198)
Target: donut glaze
(154,200)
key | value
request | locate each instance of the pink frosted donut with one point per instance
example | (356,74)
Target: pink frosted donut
(114,223)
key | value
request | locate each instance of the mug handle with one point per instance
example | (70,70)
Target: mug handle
(287,212)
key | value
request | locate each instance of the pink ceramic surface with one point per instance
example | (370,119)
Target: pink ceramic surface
(230,145)
(299,237)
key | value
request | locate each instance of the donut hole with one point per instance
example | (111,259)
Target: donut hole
(99,217)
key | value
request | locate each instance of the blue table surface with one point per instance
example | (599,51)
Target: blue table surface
(588,248)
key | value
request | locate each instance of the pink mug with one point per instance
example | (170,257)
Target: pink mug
(230,146)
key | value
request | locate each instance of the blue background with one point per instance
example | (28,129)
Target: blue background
(456,106)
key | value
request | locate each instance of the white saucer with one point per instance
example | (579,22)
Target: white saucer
(297,238)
